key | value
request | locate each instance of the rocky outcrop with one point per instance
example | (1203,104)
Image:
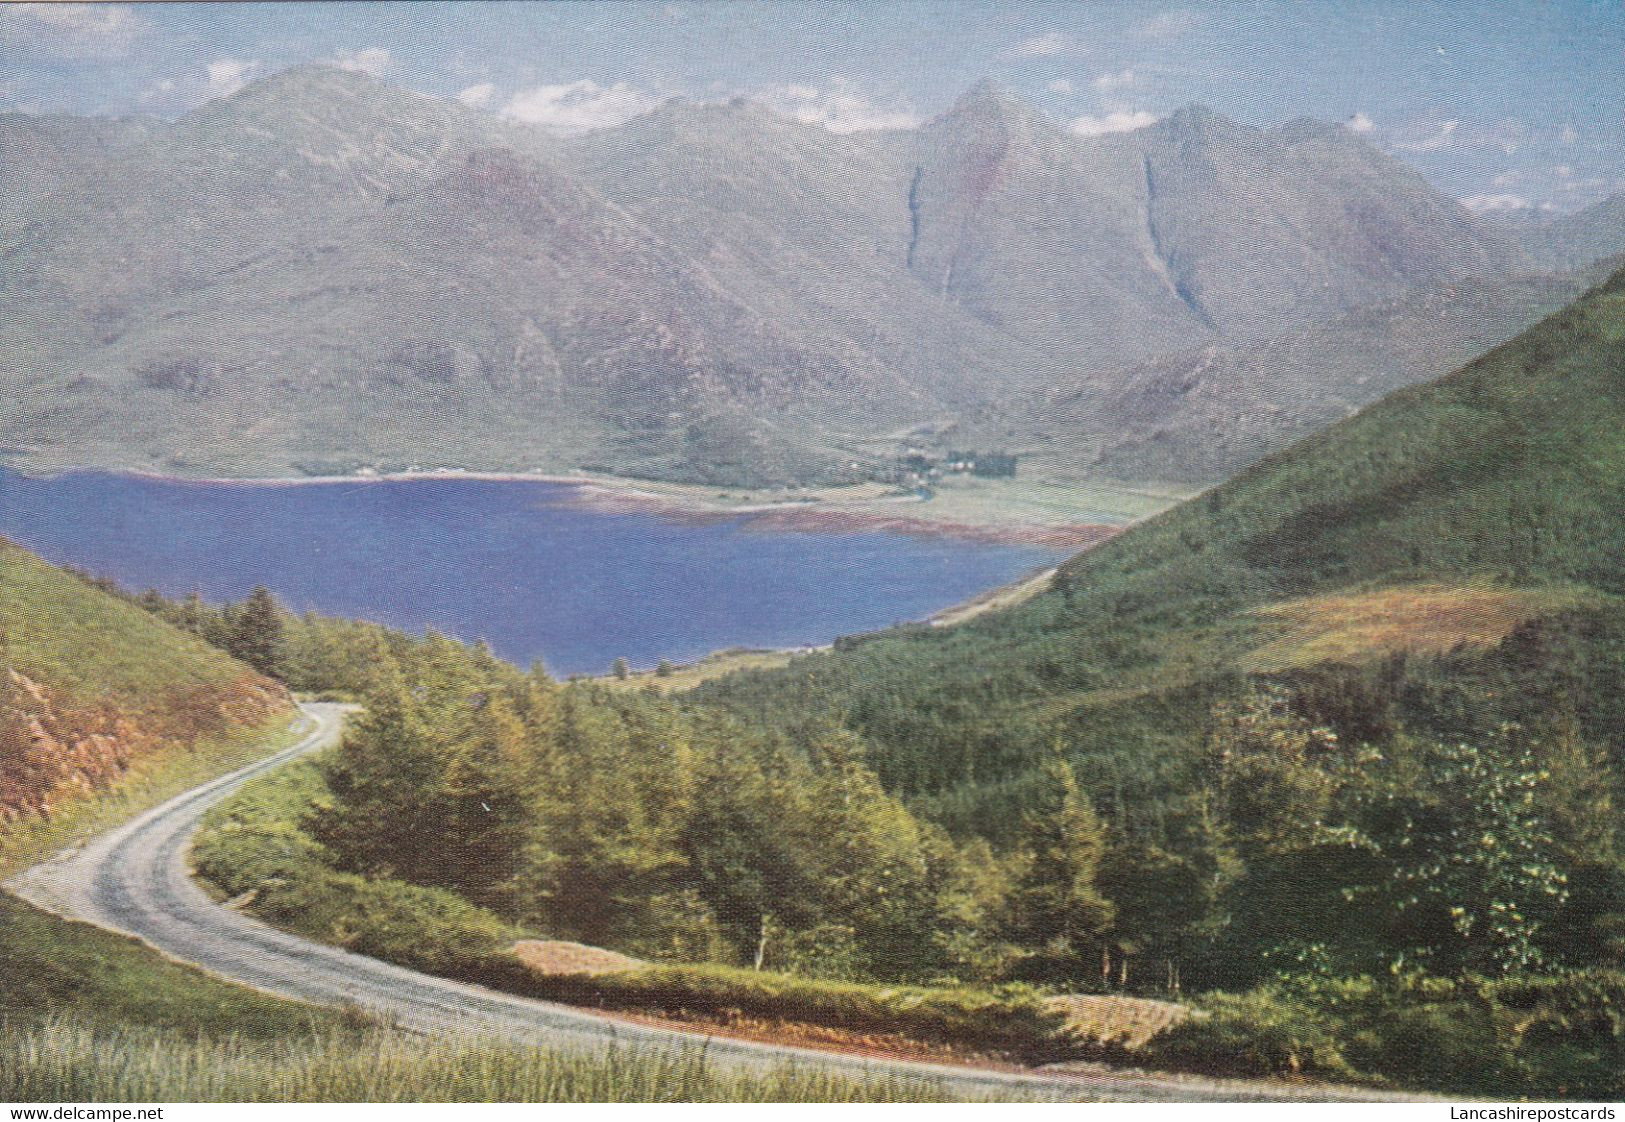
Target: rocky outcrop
(52,751)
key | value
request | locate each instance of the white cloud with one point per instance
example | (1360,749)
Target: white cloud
(1060,86)
(220,78)
(1114,81)
(1569,135)
(78,31)
(571,108)
(840,108)
(478,95)
(1360,123)
(1495,204)
(1432,141)
(371,60)
(228,75)
(1123,120)
(1166,25)
(1047,45)
(1507,135)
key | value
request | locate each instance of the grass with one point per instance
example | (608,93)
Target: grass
(687,676)
(89,646)
(1414,618)
(1015,1022)
(1041,500)
(50,966)
(69,1060)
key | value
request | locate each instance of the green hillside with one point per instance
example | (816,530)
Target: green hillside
(99,697)
(94,647)
(1299,692)
(1501,482)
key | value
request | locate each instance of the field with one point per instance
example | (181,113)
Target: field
(687,676)
(956,503)
(1420,618)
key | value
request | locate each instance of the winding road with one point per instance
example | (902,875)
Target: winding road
(135,880)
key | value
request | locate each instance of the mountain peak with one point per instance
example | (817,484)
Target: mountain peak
(992,104)
(1201,122)
(309,78)
(1300,129)
(1197,115)
(991,95)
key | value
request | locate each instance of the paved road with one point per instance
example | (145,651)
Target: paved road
(136,880)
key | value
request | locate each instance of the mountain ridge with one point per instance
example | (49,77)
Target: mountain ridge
(815,290)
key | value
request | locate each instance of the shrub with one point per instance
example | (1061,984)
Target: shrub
(1254,1034)
(1013,1019)
(1559,1036)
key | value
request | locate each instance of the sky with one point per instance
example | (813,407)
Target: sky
(1503,105)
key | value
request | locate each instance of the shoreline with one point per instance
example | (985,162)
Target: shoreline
(873,513)
(685,676)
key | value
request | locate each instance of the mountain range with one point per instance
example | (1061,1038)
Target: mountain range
(323,273)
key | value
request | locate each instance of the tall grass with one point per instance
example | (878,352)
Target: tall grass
(72,1060)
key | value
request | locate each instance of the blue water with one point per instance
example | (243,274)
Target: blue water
(513,563)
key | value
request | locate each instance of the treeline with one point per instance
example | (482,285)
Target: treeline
(674,832)
(1264,824)
(1321,822)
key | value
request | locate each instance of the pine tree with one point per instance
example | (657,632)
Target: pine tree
(257,633)
(1054,907)
(486,808)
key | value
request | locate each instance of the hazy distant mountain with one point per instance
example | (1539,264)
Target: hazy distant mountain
(324,272)
(1574,239)
(1120,246)
(1199,416)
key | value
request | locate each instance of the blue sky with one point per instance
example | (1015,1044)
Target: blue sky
(1499,104)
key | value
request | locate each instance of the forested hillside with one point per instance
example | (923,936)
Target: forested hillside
(631,821)
(1290,698)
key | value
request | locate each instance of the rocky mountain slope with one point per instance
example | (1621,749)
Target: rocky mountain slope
(1197,416)
(322,272)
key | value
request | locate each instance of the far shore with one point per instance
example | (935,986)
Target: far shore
(858,508)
